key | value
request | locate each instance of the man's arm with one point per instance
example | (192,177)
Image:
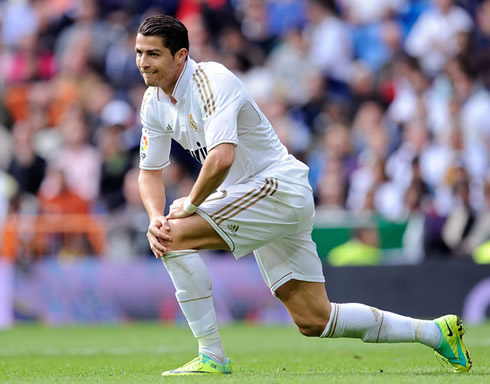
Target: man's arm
(152,192)
(212,174)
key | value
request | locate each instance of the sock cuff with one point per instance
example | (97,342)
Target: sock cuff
(183,252)
(329,330)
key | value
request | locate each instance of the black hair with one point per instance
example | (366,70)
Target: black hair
(171,30)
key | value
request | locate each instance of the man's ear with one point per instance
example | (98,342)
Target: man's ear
(181,56)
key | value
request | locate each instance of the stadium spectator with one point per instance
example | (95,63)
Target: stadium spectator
(329,40)
(361,249)
(480,38)
(59,202)
(19,19)
(479,234)
(413,237)
(434,37)
(116,162)
(79,160)
(26,167)
(126,226)
(331,162)
(362,12)
(460,220)
(56,196)
(290,70)
(119,62)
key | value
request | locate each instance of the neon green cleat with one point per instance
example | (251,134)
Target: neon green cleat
(201,365)
(451,349)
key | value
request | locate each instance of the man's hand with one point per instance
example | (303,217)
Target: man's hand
(177,209)
(158,235)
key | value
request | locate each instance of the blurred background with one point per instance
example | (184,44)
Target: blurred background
(387,102)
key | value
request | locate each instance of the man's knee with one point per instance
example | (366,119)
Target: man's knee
(193,232)
(307,304)
(312,328)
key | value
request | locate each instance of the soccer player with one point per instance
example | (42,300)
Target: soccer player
(250,196)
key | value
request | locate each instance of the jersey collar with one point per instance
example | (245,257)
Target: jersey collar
(184,79)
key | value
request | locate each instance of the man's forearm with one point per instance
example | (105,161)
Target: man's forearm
(152,192)
(213,172)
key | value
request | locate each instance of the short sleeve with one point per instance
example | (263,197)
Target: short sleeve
(154,144)
(221,109)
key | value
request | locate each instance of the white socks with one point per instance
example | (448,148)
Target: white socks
(193,286)
(194,294)
(375,326)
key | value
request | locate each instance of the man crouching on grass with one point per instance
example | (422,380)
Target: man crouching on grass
(250,196)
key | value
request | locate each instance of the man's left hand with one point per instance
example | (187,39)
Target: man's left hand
(177,209)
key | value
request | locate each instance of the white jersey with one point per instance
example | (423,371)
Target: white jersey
(213,107)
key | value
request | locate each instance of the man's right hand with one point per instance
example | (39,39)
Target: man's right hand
(158,235)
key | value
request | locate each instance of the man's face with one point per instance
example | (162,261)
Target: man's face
(156,64)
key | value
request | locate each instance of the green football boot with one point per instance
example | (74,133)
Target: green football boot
(451,349)
(201,365)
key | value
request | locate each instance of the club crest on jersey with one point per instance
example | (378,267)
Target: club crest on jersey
(193,123)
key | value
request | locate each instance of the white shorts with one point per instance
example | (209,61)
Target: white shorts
(272,219)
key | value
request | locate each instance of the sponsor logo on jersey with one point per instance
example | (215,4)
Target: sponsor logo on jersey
(193,123)
(199,154)
(169,128)
(233,228)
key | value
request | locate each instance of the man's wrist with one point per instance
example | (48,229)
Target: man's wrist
(188,206)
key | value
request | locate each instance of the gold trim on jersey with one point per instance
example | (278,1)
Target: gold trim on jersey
(213,104)
(250,198)
(205,91)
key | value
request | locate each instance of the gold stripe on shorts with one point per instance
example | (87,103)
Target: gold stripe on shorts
(234,206)
(250,198)
(276,185)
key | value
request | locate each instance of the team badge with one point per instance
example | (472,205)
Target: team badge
(193,123)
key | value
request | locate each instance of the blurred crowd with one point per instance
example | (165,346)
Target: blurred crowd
(387,101)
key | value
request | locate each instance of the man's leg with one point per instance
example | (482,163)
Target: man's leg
(194,295)
(314,315)
(193,286)
(304,299)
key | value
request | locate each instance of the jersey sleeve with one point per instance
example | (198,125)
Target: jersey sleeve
(221,109)
(154,144)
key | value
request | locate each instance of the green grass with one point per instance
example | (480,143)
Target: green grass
(138,353)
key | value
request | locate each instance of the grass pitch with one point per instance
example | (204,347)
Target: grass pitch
(138,353)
